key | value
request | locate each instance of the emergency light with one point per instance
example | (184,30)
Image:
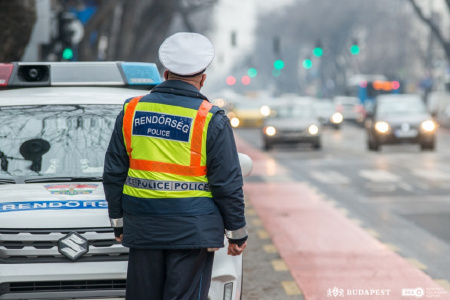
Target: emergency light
(26,74)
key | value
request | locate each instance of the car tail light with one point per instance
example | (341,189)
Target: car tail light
(5,73)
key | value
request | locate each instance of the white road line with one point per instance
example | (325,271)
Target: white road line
(379,176)
(331,177)
(435,175)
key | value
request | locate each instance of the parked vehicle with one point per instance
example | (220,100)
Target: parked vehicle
(56,241)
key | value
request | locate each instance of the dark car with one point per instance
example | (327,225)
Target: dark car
(398,119)
(327,114)
(292,123)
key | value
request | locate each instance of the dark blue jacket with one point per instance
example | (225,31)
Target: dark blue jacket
(224,176)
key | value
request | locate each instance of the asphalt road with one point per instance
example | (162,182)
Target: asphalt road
(399,195)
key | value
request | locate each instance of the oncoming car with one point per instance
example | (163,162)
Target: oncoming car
(292,123)
(56,240)
(248,113)
(398,119)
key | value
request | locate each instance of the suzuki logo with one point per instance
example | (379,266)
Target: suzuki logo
(73,246)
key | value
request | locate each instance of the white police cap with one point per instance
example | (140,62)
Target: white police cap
(186,53)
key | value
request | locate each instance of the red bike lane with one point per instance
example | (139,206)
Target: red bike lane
(328,255)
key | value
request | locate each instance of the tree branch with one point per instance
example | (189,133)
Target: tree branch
(445,45)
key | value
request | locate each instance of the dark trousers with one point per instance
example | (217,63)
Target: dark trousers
(169,274)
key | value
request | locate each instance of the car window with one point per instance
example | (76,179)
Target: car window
(55,140)
(300,111)
(400,106)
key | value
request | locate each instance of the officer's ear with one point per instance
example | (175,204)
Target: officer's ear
(166,74)
(203,80)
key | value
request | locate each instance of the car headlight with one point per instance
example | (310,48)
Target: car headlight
(234,122)
(270,130)
(382,127)
(428,126)
(313,129)
(265,110)
(337,118)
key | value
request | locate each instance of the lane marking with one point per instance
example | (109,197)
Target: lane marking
(373,232)
(435,175)
(279,265)
(250,212)
(331,177)
(392,247)
(416,263)
(344,211)
(444,283)
(257,222)
(270,248)
(379,176)
(356,221)
(291,288)
(262,234)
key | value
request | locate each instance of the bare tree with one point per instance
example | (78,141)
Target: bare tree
(433,27)
(17,19)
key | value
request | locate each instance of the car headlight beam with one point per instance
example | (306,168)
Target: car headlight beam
(265,110)
(382,127)
(337,118)
(234,122)
(313,129)
(270,131)
(428,126)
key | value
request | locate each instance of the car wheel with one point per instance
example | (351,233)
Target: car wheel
(337,127)
(267,146)
(427,146)
(317,146)
(373,146)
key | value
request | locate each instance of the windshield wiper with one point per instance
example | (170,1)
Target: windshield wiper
(7,180)
(63,179)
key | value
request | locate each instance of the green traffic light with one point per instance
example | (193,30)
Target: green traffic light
(354,49)
(278,64)
(307,64)
(67,54)
(252,72)
(318,52)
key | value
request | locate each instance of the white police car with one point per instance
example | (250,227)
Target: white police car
(55,236)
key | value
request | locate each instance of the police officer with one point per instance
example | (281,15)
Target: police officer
(173,181)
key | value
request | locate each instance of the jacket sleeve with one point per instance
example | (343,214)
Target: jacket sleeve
(115,171)
(225,177)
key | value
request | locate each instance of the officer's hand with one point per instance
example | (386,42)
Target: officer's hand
(118,233)
(234,249)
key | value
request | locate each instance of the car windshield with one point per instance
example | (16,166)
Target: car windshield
(400,106)
(294,111)
(54,140)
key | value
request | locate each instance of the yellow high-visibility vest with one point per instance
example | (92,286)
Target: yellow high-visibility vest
(166,146)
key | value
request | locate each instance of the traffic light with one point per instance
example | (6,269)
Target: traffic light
(354,49)
(66,33)
(318,50)
(307,63)
(278,64)
(252,72)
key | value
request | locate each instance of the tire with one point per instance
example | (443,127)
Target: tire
(428,146)
(373,146)
(317,146)
(267,146)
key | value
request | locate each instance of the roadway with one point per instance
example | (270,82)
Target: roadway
(344,217)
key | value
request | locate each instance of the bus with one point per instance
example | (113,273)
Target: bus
(367,87)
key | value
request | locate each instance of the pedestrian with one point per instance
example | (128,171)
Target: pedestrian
(173,181)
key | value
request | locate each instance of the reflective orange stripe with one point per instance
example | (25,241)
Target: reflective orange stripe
(162,167)
(128,122)
(155,166)
(197,135)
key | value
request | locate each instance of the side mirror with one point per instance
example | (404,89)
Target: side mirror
(246,164)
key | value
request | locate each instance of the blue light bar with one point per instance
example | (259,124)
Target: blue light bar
(141,73)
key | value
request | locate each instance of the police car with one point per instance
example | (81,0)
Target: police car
(55,236)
